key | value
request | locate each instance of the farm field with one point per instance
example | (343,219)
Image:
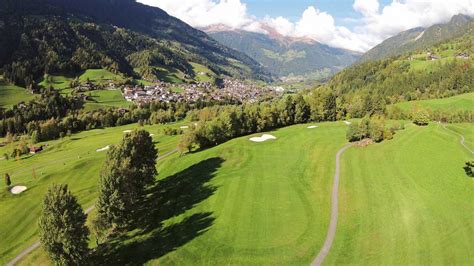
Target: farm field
(11,95)
(268,203)
(72,160)
(406,202)
(455,103)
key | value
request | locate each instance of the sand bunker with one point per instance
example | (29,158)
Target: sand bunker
(103,149)
(151,135)
(263,138)
(184,127)
(347,122)
(127,131)
(310,127)
(17,189)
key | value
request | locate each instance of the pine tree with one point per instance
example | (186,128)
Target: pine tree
(128,170)
(62,229)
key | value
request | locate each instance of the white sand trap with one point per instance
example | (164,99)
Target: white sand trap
(151,135)
(310,127)
(347,122)
(17,189)
(184,127)
(263,138)
(127,131)
(103,149)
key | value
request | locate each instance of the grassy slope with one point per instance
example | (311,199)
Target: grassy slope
(268,207)
(57,82)
(455,103)
(99,76)
(271,203)
(203,73)
(406,202)
(11,95)
(105,99)
(73,161)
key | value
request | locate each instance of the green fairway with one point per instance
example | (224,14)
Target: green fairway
(265,206)
(455,103)
(11,95)
(102,99)
(402,201)
(73,161)
(406,202)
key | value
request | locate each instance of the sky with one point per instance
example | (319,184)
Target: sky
(350,24)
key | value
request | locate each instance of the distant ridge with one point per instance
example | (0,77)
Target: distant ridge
(420,38)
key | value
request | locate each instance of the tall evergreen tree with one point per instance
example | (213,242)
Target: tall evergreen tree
(128,170)
(62,229)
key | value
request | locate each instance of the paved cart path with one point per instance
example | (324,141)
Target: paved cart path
(88,210)
(334,211)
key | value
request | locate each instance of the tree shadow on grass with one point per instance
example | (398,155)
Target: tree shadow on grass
(157,243)
(168,198)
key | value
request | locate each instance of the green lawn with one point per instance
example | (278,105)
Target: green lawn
(11,95)
(406,202)
(100,76)
(455,103)
(57,82)
(105,99)
(73,161)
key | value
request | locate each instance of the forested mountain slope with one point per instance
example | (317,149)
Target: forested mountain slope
(67,36)
(284,56)
(447,69)
(420,38)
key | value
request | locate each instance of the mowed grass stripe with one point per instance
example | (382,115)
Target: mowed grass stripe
(406,201)
(265,213)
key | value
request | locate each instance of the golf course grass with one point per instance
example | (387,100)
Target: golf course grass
(455,103)
(73,161)
(406,202)
(402,201)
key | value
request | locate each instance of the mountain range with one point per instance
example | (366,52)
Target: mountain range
(420,38)
(67,36)
(286,56)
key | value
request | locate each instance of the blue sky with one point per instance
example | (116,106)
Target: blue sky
(339,9)
(350,24)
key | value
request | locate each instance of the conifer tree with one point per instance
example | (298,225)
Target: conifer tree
(62,229)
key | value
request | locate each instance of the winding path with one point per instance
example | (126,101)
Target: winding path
(334,211)
(462,139)
(37,244)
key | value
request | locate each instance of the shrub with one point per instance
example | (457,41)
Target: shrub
(421,118)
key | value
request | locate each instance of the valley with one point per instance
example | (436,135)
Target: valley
(133,134)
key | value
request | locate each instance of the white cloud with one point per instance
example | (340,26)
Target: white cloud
(366,7)
(203,13)
(377,23)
